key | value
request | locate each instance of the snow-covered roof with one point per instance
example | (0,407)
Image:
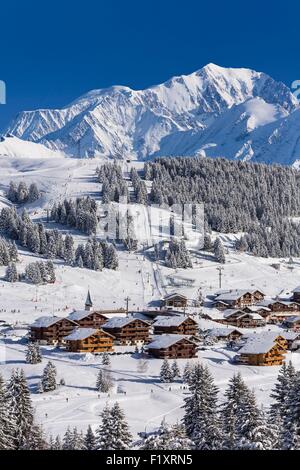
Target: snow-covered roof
(174,294)
(81,314)
(165,341)
(45,322)
(81,333)
(119,322)
(293,319)
(221,331)
(259,343)
(256,308)
(162,320)
(297,289)
(290,335)
(232,311)
(232,295)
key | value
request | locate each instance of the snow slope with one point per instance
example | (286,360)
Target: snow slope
(184,116)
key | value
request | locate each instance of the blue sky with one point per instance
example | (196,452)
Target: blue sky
(52,52)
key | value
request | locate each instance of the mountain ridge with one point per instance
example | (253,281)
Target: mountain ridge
(172,118)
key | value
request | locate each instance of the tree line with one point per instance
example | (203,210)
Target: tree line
(113,185)
(238,196)
(80,214)
(21,193)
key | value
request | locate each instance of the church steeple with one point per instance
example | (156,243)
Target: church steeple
(88,302)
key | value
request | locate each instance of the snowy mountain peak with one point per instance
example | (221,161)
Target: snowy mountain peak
(175,117)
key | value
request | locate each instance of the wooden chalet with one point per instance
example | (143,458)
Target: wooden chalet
(263,350)
(292,322)
(172,347)
(92,340)
(242,319)
(174,300)
(237,298)
(180,324)
(292,338)
(88,319)
(264,312)
(128,330)
(51,330)
(225,334)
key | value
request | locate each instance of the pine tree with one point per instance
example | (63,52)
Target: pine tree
(33,355)
(175,370)
(106,359)
(11,274)
(168,438)
(219,251)
(104,382)
(282,389)
(231,409)
(7,422)
(201,413)
(90,439)
(48,382)
(166,374)
(20,406)
(248,418)
(113,433)
(187,371)
(67,443)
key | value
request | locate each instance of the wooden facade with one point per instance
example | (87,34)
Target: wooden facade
(86,319)
(171,325)
(183,348)
(238,299)
(128,330)
(49,330)
(174,300)
(273,357)
(96,341)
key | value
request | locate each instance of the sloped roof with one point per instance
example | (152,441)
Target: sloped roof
(119,322)
(297,289)
(170,321)
(165,341)
(221,331)
(81,333)
(290,335)
(232,295)
(81,314)
(259,343)
(174,294)
(46,321)
(231,311)
(293,319)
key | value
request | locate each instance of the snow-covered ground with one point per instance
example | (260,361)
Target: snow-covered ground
(146,401)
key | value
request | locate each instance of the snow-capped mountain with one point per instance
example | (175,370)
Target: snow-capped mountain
(236,113)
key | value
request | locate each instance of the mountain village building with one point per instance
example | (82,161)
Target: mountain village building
(172,347)
(128,330)
(51,330)
(92,340)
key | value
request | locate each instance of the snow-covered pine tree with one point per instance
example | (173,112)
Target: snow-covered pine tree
(48,381)
(21,410)
(187,373)
(103,382)
(166,374)
(7,422)
(77,440)
(282,388)
(168,438)
(89,439)
(105,359)
(248,419)
(219,251)
(175,370)
(113,432)
(231,408)
(201,417)
(36,439)
(67,443)
(11,273)
(33,354)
